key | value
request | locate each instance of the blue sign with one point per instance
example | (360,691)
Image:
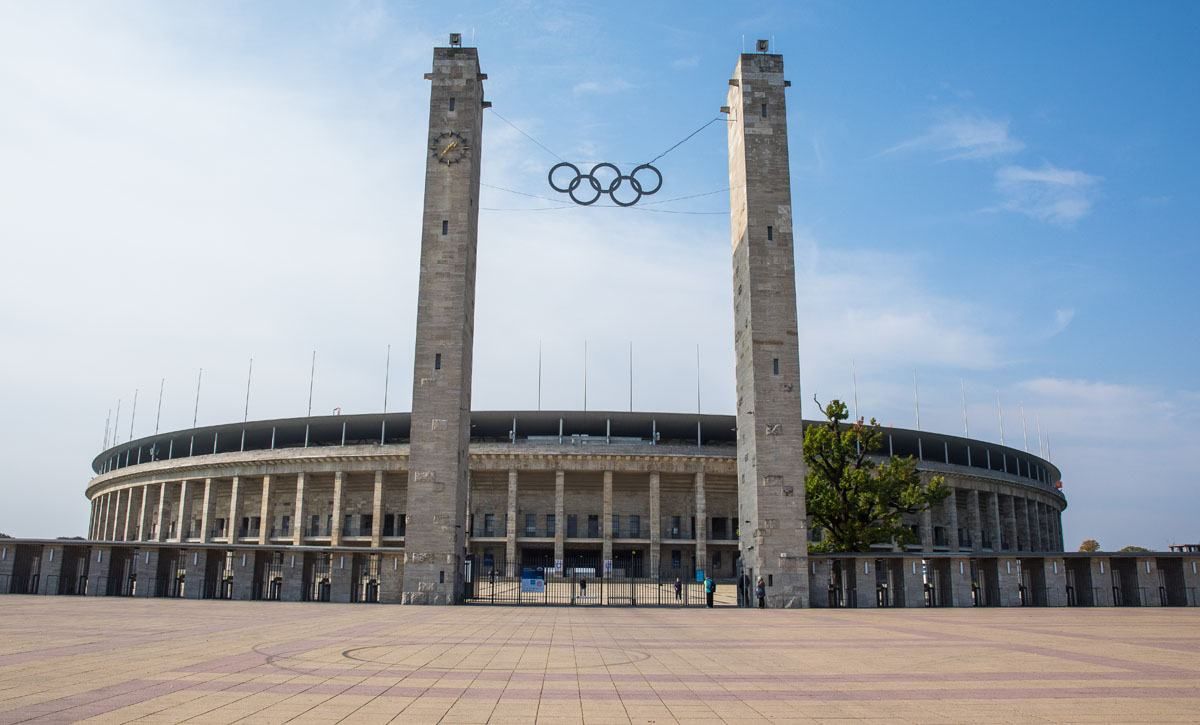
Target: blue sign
(699,575)
(533,581)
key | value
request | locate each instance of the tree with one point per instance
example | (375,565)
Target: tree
(1089,545)
(1134,549)
(859,500)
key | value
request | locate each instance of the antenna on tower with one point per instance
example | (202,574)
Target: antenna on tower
(158,415)
(246,411)
(117,424)
(1000,414)
(854,386)
(585,376)
(699,440)
(917,399)
(196,410)
(963,386)
(1024,429)
(133,414)
(631,376)
(1041,450)
(539,397)
(387,374)
(107,420)
(312,373)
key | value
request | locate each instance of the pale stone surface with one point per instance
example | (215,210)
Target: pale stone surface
(107,660)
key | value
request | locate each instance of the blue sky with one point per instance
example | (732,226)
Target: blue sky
(999,195)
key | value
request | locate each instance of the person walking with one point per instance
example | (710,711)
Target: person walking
(710,588)
(760,591)
(678,590)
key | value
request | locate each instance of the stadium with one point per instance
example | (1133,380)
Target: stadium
(449,505)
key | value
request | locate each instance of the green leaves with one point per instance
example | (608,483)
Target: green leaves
(855,493)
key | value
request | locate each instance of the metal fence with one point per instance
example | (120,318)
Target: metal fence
(580,587)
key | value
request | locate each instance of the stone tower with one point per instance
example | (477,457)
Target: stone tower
(441,402)
(773,531)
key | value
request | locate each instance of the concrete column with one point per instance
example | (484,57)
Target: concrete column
(974,520)
(377,512)
(864,583)
(109,517)
(1147,579)
(293,576)
(510,542)
(298,524)
(209,502)
(340,569)
(184,511)
(146,567)
(391,579)
(265,513)
(194,567)
(1101,594)
(235,508)
(951,508)
(560,521)
(701,532)
(52,562)
(159,522)
(1191,581)
(655,524)
(1056,581)
(819,568)
(1008,581)
(927,530)
(960,582)
(335,531)
(1021,514)
(913,584)
(128,511)
(606,521)
(994,520)
(1035,531)
(243,574)
(142,534)
(101,557)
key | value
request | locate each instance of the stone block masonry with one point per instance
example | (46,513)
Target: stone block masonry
(769,436)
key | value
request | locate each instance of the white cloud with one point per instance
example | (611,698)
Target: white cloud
(602,88)
(690,61)
(963,137)
(1062,319)
(1049,194)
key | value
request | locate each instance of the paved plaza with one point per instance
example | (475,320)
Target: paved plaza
(114,660)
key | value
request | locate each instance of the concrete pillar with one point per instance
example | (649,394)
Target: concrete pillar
(209,501)
(391,578)
(606,495)
(101,558)
(243,573)
(913,582)
(927,530)
(701,532)
(1056,581)
(1191,581)
(159,520)
(960,582)
(974,519)
(235,508)
(146,567)
(951,508)
(819,570)
(128,510)
(1021,513)
(335,531)
(143,524)
(194,567)
(108,516)
(510,542)
(864,582)
(298,524)
(1147,579)
(994,520)
(293,576)
(185,511)
(1008,581)
(266,520)
(341,567)
(560,520)
(655,524)
(377,513)
(1035,531)
(1101,594)
(52,562)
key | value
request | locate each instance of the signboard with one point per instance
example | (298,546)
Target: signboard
(608,566)
(533,585)
(558,566)
(699,575)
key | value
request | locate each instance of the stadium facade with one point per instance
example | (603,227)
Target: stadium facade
(424,508)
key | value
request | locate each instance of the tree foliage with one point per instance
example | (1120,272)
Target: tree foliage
(859,500)
(1089,545)
(1134,549)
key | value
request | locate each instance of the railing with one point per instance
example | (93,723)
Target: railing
(580,587)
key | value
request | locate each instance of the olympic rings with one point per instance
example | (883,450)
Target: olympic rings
(598,189)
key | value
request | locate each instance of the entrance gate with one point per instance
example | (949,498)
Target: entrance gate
(580,586)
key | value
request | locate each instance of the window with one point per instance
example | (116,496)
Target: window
(366,523)
(572,526)
(400,522)
(348,525)
(764,110)
(255,524)
(550,524)
(770,233)
(445,227)
(451,104)
(245,528)
(287,525)
(489,559)
(676,558)
(716,562)
(531,524)
(635,526)
(675,524)
(314,526)
(616,525)
(489,523)
(775,366)
(437,361)
(389,525)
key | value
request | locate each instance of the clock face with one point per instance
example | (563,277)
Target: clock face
(449,147)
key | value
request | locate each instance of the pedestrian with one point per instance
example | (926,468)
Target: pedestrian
(760,591)
(678,590)
(710,588)
(582,588)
